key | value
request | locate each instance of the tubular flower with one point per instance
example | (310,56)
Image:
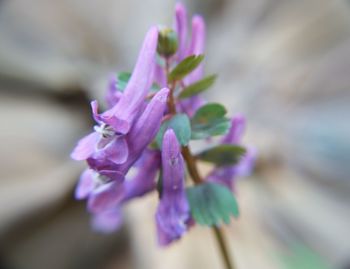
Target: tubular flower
(108,141)
(113,194)
(195,46)
(173,213)
(226,175)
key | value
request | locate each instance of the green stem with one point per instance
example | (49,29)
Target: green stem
(197,179)
(223,247)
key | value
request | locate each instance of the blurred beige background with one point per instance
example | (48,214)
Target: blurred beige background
(284,64)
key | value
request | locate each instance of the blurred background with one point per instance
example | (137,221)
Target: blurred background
(284,64)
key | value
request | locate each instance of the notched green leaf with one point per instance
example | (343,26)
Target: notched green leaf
(222,155)
(198,87)
(212,204)
(180,123)
(185,67)
(209,120)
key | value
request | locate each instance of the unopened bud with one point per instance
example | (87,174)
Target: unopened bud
(167,42)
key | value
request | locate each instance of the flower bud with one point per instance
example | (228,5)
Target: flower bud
(167,42)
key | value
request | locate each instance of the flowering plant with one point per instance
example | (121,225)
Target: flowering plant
(152,115)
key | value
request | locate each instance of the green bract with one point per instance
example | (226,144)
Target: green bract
(181,126)
(222,155)
(211,204)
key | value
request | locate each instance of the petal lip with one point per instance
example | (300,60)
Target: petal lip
(107,221)
(85,147)
(105,197)
(85,185)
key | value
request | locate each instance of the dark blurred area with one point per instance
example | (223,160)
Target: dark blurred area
(284,64)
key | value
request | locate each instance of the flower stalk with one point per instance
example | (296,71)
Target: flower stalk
(197,179)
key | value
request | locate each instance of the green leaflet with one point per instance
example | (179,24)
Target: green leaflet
(198,87)
(211,204)
(180,123)
(185,67)
(222,155)
(209,120)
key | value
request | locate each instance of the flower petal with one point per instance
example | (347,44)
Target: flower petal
(107,221)
(144,180)
(85,147)
(113,94)
(105,197)
(180,25)
(196,47)
(147,126)
(173,212)
(85,185)
(117,150)
(234,136)
(130,105)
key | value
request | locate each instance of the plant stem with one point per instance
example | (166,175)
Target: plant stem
(196,177)
(223,247)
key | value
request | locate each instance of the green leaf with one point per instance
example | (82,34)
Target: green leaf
(211,204)
(123,79)
(222,155)
(185,67)
(209,112)
(180,123)
(198,87)
(209,121)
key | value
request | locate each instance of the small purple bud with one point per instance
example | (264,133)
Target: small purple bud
(196,47)
(234,136)
(180,26)
(173,212)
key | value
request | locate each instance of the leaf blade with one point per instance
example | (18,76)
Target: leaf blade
(222,155)
(185,67)
(180,123)
(198,87)
(212,204)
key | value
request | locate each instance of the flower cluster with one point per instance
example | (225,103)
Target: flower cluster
(151,116)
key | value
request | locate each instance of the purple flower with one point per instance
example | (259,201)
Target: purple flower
(113,93)
(107,221)
(180,25)
(195,47)
(173,212)
(108,141)
(113,194)
(226,175)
